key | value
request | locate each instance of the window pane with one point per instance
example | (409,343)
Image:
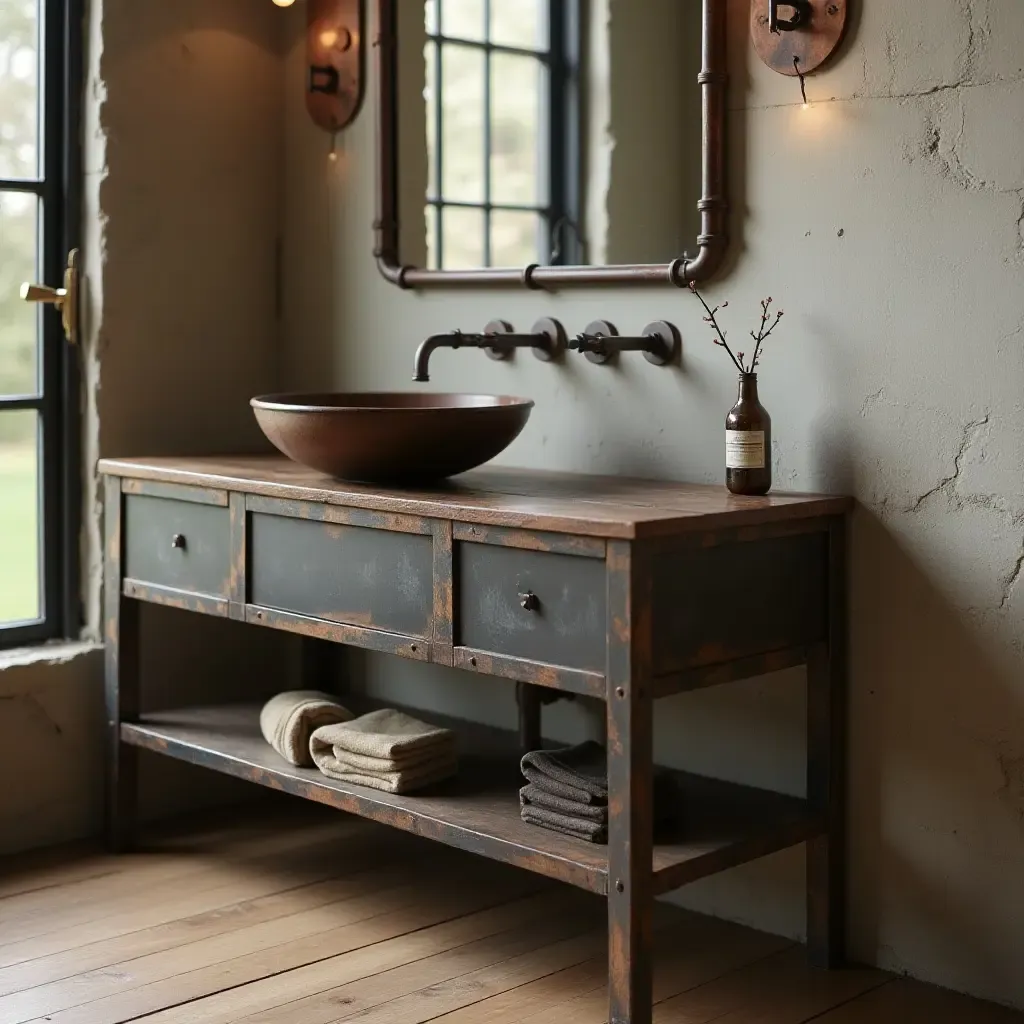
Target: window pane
(19,518)
(18,88)
(463,129)
(521,23)
(463,19)
(515,239)
(430,97)
(516,84)
(463,238)
(18,320)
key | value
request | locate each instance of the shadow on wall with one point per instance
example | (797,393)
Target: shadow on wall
(926,687)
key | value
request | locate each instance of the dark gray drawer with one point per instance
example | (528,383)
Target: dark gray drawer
(177,544)
(565,627)
(374,578)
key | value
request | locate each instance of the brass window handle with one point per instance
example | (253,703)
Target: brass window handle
(65,299)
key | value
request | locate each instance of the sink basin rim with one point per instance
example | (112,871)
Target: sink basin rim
(356,402)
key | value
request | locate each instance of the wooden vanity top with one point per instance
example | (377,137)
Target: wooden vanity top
(596,506)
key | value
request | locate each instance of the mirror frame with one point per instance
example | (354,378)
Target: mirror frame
(711,243)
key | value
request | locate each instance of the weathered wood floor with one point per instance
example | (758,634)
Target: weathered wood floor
(305,916)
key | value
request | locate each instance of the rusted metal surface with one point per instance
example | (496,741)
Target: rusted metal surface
(239,540)
(729,671)
(477,811)
(806,47)
(553,677)
(630,717)
(722,604)
(414,648)
(444,592)
(371,578)
(121,678)
(396,437)
(335,59)
(339,515)
(528,703)
(179,545)
(183,600)
(176,492)
(722,600)
(522,499)
(826,769)
(564,625)
(712,205)
(531,540)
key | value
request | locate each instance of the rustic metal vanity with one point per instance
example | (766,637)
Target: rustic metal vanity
(626,591)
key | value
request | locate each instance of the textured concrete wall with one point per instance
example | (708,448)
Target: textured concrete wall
(182,205)
(888,221)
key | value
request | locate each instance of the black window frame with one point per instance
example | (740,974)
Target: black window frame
(561,214)
(58,186)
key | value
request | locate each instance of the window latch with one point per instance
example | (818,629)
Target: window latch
(65,299)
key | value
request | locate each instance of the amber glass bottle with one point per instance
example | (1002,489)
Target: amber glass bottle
(748,442)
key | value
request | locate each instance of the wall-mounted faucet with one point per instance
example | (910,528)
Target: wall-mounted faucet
(499,341)
(601,343)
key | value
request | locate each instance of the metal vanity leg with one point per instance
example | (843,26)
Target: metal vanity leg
(121,669)
(528,698)
(318,666)
(630,821)
(826,770)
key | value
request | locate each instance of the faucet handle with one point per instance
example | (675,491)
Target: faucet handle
(590,342)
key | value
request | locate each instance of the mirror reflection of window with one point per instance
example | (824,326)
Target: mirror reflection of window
(498,76)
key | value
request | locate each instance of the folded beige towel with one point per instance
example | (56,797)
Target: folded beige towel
(389,735)
(334,767)
(288,720)
(379,765)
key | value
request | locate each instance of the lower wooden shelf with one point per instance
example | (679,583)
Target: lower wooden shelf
(723,824)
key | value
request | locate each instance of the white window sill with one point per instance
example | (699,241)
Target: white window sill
(58,652)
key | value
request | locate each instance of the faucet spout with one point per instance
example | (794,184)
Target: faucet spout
(498,340)
(421,369)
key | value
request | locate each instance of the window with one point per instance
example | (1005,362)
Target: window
(501,86)
(38,532)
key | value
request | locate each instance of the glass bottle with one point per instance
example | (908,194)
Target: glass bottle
(748,442)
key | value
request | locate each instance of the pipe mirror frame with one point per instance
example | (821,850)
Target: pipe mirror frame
(711,243)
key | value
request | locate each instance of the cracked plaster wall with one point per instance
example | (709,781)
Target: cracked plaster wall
(887,220)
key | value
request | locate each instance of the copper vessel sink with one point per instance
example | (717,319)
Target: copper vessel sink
(391,437)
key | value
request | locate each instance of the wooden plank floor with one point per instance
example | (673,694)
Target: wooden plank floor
(301,915)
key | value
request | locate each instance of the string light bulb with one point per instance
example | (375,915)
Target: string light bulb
(284,3)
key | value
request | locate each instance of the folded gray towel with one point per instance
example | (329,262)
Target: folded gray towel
(289,719)
(535,796)
(590,831)
(388,735)
(579,773)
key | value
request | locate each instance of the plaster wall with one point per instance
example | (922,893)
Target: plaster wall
(888,221)
(183,138)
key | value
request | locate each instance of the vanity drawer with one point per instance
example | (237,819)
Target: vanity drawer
(378,579)
(563,622)
(182,545)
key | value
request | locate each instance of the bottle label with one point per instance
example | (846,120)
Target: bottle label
(744,449)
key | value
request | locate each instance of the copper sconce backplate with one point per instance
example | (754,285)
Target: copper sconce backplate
(335,47)
(802,49)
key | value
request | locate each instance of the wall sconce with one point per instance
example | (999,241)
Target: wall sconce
(336,64)
(797,37)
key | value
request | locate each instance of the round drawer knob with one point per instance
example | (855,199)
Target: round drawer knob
(529,601)
(178,542)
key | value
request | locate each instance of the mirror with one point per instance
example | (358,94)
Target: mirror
(550,142)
